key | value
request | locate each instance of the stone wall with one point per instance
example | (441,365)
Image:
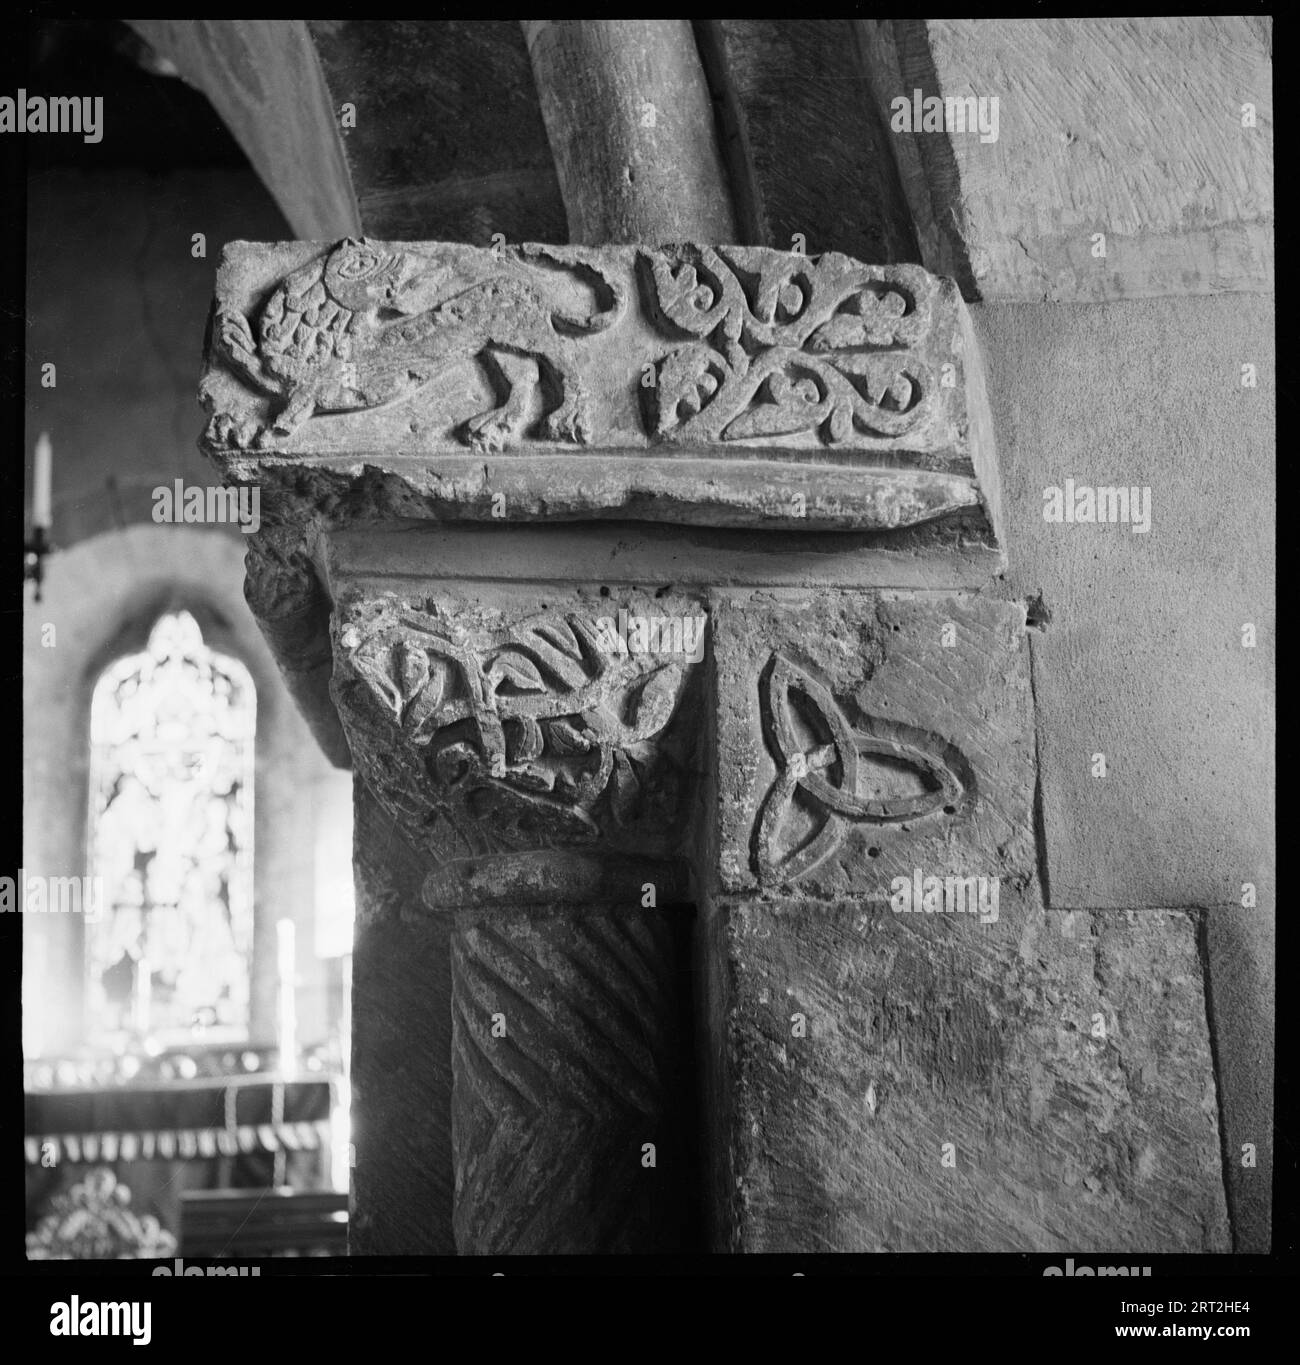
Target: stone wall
(1139,653)
(1030,1063)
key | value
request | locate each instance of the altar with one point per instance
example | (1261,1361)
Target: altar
(108,1163)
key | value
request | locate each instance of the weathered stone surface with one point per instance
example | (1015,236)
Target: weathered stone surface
(526,744)
(855,745)
(1080,117)
(807,390)
(571,1116)
(624,554)
(1064,1056)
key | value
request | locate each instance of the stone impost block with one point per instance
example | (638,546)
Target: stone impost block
(714,385)
(864,740)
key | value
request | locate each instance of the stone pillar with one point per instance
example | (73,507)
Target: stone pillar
(775,698)
(542,776)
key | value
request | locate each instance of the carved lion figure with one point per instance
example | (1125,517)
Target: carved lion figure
(367,325)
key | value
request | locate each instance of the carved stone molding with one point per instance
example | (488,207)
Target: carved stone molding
(525,754)
(720,385)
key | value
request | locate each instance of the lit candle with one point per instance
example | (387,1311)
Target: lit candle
(284,930)
(143,994)
(42,482)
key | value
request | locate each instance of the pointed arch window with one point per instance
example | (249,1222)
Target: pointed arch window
(171,834)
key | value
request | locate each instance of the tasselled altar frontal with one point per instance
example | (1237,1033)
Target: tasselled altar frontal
(716,385)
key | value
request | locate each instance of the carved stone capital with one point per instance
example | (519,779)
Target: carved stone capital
(539,754)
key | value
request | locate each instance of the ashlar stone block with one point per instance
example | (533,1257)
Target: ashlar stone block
(914,1082)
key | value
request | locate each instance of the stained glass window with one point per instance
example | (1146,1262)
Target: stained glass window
(171,834)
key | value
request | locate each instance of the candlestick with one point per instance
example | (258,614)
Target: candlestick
(42,484)
(288,1020)
(143,994)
